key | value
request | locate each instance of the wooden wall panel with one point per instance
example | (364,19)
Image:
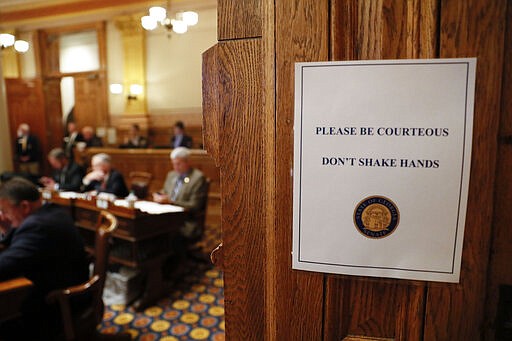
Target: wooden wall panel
(301,34)
(242,174)
(239,19)
(212,120)
(500,273)
(472,28)
(25,104)
(91,107)
(390,309)
(53,108)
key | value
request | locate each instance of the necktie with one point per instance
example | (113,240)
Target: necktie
(177,187)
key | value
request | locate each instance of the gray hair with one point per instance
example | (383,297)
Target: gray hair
(18,189)
(102,158)
(180,153)
(57,153)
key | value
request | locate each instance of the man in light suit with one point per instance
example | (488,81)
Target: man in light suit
(187,187)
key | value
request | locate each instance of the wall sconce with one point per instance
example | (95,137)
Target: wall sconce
(7,40)
(116,89)
(135,90)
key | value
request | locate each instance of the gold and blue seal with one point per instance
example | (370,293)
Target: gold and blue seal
(376,217)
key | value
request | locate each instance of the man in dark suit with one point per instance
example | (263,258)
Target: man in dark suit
(27,150)
(180,139)
(73,136)
(134,138)
(103,178)
(42,244)
(90,138)
(67,175)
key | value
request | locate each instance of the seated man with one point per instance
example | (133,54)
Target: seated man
(103,178)
(180,139)
(42,244)
(90,138)
(185,186)
(67,175)
(134,138)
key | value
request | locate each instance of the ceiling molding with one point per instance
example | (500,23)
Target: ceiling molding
(25,15)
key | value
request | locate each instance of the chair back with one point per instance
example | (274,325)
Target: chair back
(105,226)
(82,324)
(139,183)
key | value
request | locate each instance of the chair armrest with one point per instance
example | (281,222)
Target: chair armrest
(73,291)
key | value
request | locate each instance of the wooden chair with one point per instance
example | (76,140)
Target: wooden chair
(81,325)
(139,183)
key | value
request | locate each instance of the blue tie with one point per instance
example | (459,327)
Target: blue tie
(177,187)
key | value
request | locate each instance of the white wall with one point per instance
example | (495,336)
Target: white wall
(174,64)
(173,69)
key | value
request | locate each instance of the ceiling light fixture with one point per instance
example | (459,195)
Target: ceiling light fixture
(160,15)
(7,40)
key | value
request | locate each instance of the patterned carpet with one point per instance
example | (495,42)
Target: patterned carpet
(193,310)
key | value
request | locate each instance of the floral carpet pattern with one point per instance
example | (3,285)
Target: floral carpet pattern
(193,309)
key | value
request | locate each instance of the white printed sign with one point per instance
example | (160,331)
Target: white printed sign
(381,167)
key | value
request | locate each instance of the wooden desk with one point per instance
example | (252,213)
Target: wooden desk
(12,294)
(157,162)
(141,240)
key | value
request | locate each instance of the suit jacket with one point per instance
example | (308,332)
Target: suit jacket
(186,141)
(30,148)
(70,142)
(94,141)
(70,178)
(47,249)
(115,185)
(192,196)
(142,142)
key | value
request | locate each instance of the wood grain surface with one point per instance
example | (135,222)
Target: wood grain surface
(500,273)
(312,306)
(239,19)
(301,35)
(472,29)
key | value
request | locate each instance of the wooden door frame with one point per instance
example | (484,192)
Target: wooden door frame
(246,101)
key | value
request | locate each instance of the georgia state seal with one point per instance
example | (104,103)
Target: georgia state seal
(376,217)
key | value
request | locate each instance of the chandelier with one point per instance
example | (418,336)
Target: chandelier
(7,40)
(160,16)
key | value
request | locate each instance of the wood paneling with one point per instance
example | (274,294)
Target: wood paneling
(388,309)
(25,104)
(91,107)
(500,273)
(242,179)
(53,108)
(309,306)
(301,34)
(239,19)
(472,29)
(212,119)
